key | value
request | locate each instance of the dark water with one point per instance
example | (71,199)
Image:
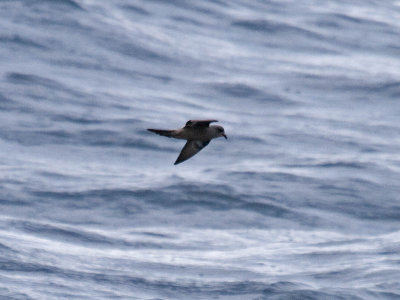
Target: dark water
(301,202)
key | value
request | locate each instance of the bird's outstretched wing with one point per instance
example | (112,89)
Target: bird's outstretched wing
(191,148)
(199,123)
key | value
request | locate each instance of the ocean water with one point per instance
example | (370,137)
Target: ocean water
(301,202)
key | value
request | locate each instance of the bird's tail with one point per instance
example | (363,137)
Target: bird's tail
(167,133)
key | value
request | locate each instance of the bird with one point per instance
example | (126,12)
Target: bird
(198,134)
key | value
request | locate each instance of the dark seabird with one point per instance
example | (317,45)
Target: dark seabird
(198,134)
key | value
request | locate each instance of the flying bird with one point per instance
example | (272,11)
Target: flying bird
(198,134)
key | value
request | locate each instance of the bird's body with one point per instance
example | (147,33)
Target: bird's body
(198,134)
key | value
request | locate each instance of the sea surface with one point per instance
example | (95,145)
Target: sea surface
(301,202)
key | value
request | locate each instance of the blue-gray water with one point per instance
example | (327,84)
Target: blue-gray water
(301,202)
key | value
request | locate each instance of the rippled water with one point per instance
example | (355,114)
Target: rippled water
(301,202)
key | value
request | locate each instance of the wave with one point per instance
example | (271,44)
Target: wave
(22,41)
(273,27)
(71,4)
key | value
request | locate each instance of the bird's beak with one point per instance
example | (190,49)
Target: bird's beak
(224,135)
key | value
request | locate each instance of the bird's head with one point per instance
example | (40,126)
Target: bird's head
(220,131)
